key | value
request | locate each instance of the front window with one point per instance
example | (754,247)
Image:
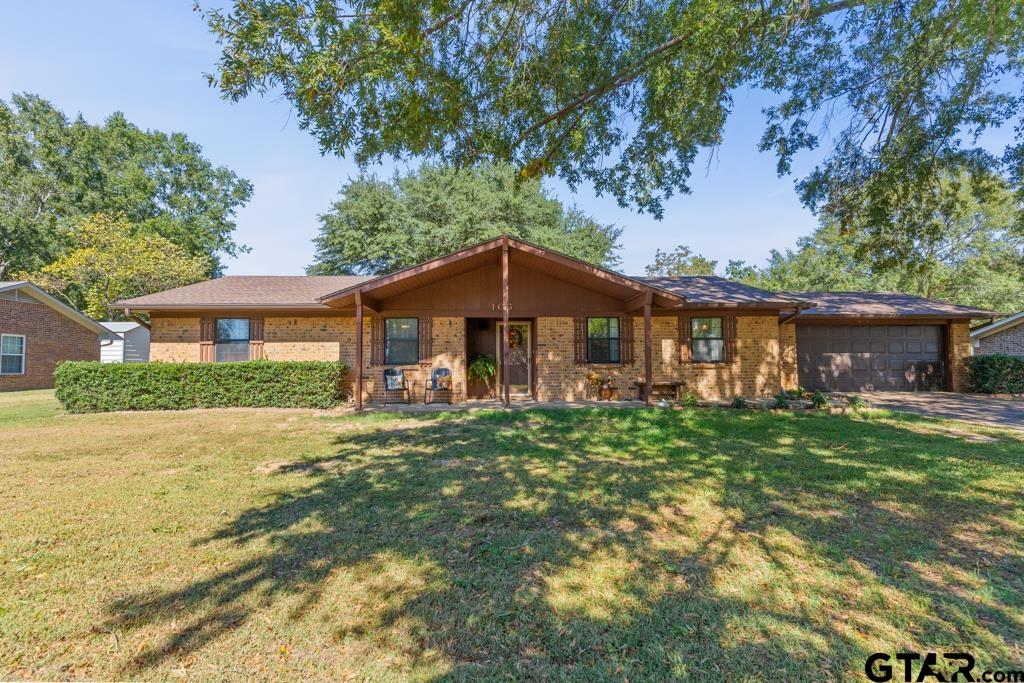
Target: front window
(708,343)
(401,341)
(232,339)
(12,354)
(603,340)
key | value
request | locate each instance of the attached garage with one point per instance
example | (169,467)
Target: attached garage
(870,357)
(880,341)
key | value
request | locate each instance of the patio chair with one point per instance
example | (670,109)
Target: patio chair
(440,383)
(395,383)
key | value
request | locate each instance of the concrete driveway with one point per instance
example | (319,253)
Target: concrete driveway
(977,408)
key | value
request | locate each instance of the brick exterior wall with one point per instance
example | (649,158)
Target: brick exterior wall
(960,343)
(174,340)
(756,370)
(559,378)
(788,369)
(765,355)
(1010,342)
(50,337)
(448,350)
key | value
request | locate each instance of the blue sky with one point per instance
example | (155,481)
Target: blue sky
(147,59)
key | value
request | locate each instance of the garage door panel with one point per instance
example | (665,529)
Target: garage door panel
(869,357)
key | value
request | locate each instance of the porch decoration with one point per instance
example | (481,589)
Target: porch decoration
(604,384)
(483,368)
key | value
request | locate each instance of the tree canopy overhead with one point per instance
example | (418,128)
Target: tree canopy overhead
(54,171)
(626,95)
(380,226)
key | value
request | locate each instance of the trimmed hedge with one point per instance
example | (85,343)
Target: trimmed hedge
(995,373)
(89,386)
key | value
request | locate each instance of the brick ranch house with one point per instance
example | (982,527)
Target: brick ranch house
(565,319)
(36,332)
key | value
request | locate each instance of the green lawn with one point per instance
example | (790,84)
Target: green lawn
(584,545)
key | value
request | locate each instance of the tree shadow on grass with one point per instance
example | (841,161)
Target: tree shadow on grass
(629,544)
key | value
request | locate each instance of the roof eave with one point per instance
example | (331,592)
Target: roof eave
(59,306)
(128,305)
(996,326)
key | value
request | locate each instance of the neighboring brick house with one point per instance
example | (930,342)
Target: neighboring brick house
(36,332)
(565,321)
(1001,336)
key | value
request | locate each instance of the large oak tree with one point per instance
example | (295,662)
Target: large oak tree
(54,171)
(379,226)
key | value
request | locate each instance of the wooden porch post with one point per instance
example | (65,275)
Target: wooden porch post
(648,355)
(504,319)
(359,350)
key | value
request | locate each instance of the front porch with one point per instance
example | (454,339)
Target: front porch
(527,307)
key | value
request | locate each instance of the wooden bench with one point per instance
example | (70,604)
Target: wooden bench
(659,390)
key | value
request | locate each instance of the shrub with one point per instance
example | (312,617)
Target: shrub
(856,402)
(795,394)
(782,400)
(739,402)
(995,373)
(690,400)
(88,386)
(819,399)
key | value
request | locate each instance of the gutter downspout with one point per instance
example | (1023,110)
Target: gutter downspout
(794,314)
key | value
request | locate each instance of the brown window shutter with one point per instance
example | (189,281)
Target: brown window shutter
(255,338)
(206,340)
(729,332)
(377,341)
(684,339)
(425,333)
(579,340)
(627,353)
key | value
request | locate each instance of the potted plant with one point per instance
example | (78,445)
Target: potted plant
(602,383)
(483,368)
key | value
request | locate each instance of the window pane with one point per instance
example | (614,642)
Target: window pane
(232,351)
(597,327)
(12,344)
(603,340)
(232,329)
(708,350)
(706,328)
(401,341)
(10,365)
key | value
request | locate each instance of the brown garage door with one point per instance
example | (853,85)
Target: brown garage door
(869,357)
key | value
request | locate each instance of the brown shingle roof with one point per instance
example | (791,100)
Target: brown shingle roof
(262,291)
(711,289)
(883,305)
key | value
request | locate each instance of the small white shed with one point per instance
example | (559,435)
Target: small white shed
(126,342)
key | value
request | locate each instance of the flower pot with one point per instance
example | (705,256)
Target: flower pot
(606,391)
